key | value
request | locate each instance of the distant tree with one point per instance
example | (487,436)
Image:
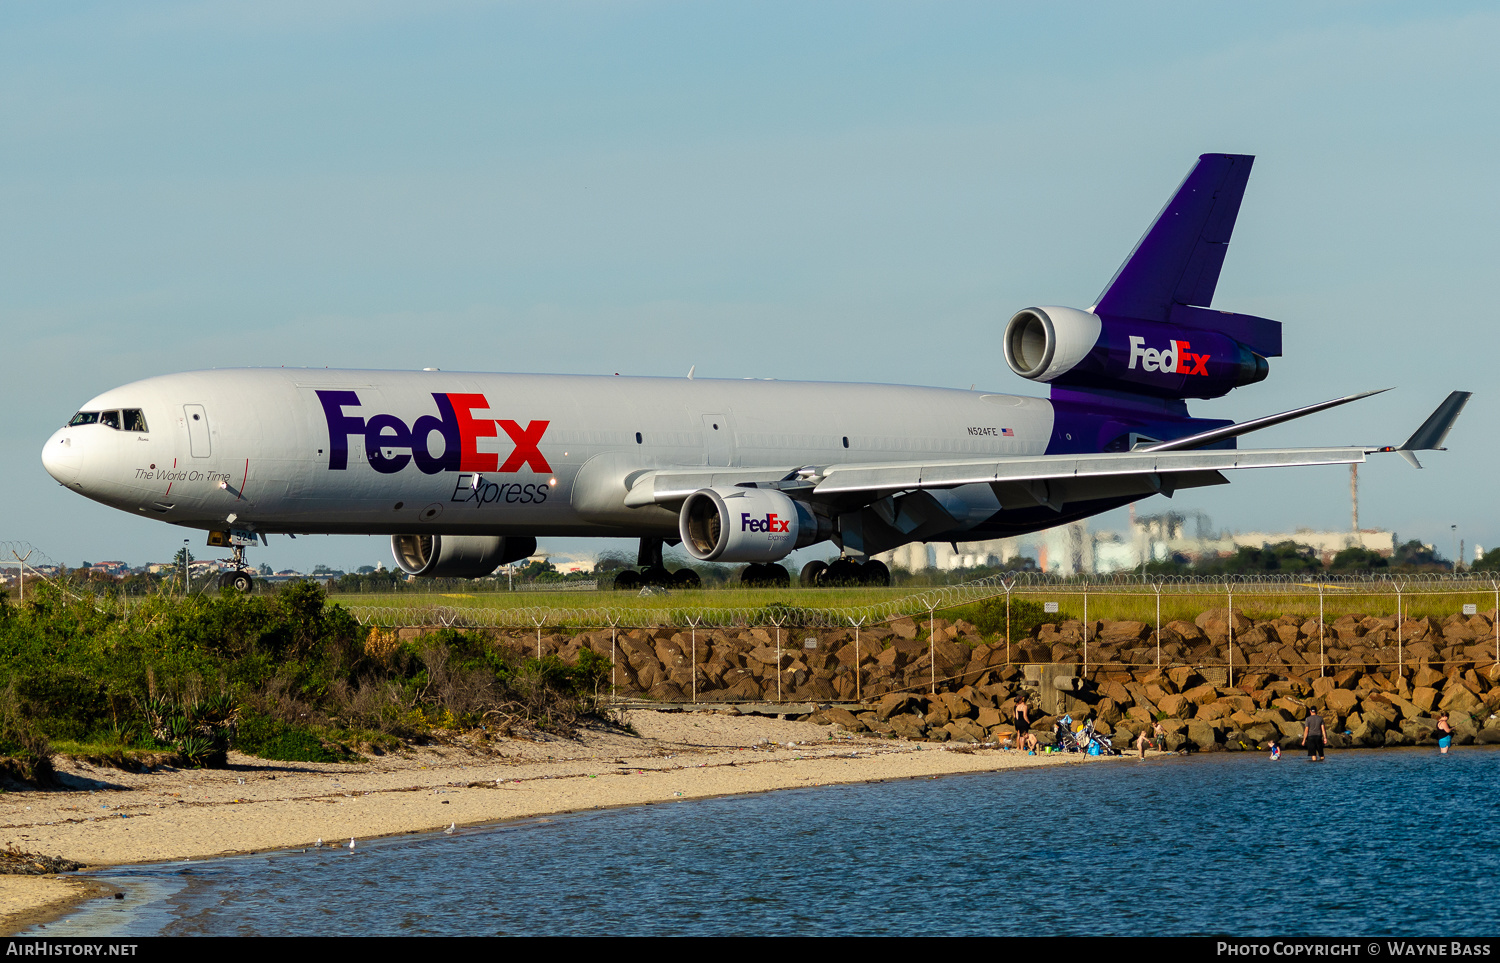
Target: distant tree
(264,569)
(535,570)
(1358,559)
(1413,556)
(1174,564)
(1489,562)
(1282,558)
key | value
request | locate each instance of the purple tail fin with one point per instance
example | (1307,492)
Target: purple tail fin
(1177,261)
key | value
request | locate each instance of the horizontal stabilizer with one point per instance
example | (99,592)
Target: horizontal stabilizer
(1254,424)
(1178,259)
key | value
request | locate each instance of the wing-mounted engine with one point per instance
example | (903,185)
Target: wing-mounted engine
(1080,349)
(747,525)
(458,556)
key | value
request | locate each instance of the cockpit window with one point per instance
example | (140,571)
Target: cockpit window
(131,419)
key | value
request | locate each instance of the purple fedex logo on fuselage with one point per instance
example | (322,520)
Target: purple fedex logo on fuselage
(1176,358)
(455,422)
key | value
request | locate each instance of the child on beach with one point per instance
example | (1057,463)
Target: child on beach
(1275,751)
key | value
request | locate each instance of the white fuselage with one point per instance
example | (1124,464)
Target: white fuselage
(258,449)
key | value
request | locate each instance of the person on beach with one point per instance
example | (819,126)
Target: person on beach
(1159,736)
(1023,718)
(1445,734)
(1314,735)
(1030,744)
(1275,751)
(1141,742)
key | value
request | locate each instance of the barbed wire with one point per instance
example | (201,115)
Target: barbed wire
(14,550)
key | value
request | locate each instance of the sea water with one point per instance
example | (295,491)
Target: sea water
(1397,842)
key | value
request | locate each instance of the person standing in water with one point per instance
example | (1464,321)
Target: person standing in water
(1445,734)
(1314,735)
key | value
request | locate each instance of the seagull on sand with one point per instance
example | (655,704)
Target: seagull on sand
(451,827)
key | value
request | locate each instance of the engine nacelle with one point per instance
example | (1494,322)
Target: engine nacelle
(747,525)
(458,556)
(1072,348)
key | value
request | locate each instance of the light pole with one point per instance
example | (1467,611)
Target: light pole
(184,568)
(1457,559)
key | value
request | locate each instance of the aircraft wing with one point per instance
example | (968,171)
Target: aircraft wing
(1051,480)
(948,474)
(853,483)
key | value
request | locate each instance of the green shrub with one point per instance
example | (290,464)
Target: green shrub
(268,738)
(1025,616)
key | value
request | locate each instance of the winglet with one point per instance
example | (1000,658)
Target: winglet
(1435,429)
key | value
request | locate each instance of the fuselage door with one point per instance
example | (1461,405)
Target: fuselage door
(197,426)
(718,441)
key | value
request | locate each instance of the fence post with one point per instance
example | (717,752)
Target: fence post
(1085,631)
(857,659)
(1007,619)
(1157,586)
(614,658)
(1229,650)
(778,658)
(1400,642)
(538,623)
(694,656)
(931,650)
(1320,621)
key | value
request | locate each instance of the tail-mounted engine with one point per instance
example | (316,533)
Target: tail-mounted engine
(747,525)
(458,556)
(1072,348)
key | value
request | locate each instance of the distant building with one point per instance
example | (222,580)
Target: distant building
(920,556)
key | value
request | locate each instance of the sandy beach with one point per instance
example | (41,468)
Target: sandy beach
(107,817)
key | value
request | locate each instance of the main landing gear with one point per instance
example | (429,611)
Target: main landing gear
(653,573)
(241,579)
(756,575)
(845,572)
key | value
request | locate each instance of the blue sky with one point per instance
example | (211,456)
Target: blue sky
(852,192)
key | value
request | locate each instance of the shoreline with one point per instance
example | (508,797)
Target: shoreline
(107,817)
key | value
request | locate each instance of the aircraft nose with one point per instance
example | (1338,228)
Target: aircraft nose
(62,457)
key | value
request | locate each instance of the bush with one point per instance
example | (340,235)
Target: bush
(1025,616)
(268,738)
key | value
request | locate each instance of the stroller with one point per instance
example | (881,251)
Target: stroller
(1085,739)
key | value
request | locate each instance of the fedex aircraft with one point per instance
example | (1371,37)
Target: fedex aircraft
(465,470)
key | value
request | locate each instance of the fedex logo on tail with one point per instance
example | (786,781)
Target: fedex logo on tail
(455,423)
(1176,359)
(771,524)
